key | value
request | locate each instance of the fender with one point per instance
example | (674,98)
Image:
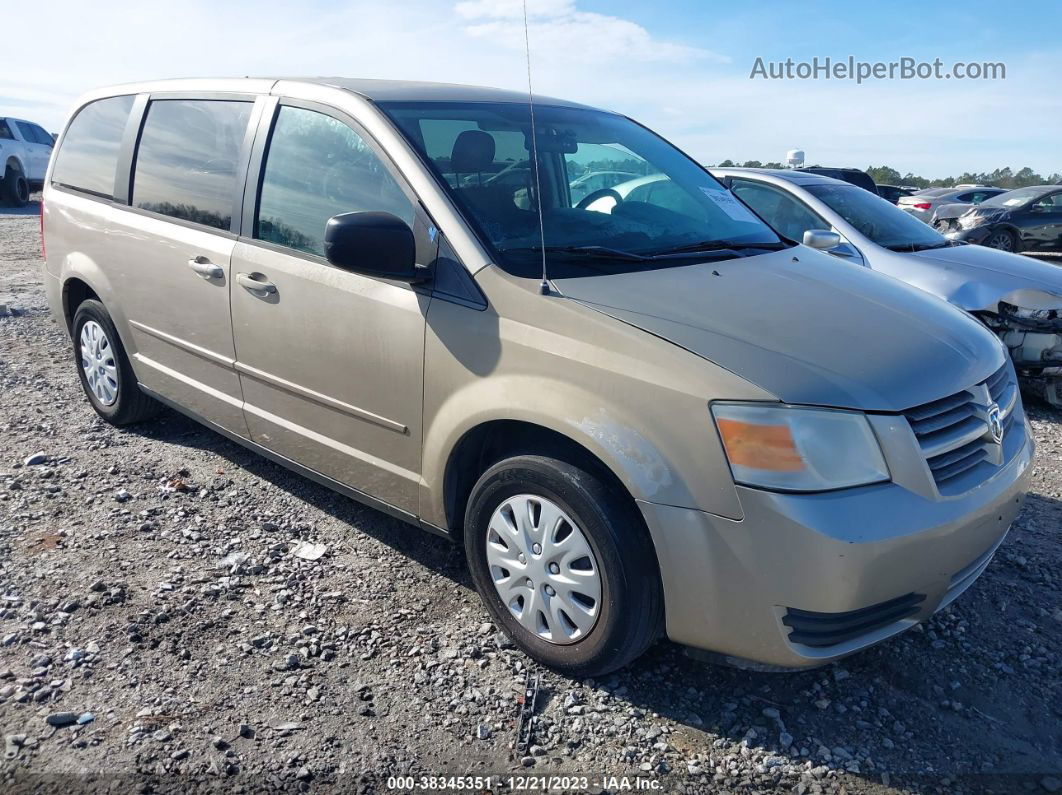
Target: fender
(77,265)
(14,158)
(606,431)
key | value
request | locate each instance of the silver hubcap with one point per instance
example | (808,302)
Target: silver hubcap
(543,569)
(97,361)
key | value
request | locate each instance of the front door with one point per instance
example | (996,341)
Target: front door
(330,361)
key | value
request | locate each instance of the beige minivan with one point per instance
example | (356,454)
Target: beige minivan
(642,415)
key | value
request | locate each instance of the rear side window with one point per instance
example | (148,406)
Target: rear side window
(5,131)
(42,135)
(89,154)
(317,167)
(187,160)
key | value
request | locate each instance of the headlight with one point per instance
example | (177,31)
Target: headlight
(798,449)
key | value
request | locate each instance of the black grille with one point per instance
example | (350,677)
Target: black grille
(952,431)
(829,629)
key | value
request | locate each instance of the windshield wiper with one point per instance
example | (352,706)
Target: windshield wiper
(711,246)
(590,252)
(913,247)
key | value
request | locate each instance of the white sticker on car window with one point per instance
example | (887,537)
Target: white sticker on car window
(726,202)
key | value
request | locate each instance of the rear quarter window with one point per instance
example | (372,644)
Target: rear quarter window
(88,156)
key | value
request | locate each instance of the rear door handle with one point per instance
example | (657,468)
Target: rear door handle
(206,268)
(254,286)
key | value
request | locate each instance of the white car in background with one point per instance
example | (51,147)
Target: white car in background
(25,149)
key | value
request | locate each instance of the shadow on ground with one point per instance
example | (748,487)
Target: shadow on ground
(33,207)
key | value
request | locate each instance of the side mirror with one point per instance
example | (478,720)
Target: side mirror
(376,244)
(821,239)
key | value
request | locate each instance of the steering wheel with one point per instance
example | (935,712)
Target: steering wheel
(590,198)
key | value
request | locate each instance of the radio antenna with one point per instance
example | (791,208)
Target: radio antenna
(544,286)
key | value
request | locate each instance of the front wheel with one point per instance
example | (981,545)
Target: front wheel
(104,369)
(1002,239)
(564,565)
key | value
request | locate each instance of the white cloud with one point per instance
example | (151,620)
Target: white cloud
(707,106)
(558,27)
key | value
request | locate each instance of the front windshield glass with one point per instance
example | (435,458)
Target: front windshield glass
(608,184)
(1013,198)
(880,220)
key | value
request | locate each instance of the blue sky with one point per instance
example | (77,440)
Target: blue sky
(680,66)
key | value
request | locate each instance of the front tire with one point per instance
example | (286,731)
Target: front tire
(104,369)
(564,565)
(1002,240)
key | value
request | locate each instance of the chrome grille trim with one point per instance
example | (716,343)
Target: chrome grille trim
(953,432)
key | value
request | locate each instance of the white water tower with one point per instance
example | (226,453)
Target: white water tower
(794,158)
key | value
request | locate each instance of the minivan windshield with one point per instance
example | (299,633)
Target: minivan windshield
(611,190)
(877,219)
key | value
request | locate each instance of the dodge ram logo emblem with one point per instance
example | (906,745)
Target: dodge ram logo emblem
(995,423)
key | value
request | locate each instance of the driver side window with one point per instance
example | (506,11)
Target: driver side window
(316,167)
(1049,204)
(788,215)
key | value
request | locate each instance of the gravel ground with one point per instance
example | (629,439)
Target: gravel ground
(160,630)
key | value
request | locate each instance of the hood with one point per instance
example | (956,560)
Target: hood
(978,278)
(805,327)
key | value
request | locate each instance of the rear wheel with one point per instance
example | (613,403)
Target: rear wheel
(15,187)
(564,565)
(1002,239)
(104,369)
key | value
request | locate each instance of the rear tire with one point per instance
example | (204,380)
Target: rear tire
(627,616)
(113,392)
(15,187)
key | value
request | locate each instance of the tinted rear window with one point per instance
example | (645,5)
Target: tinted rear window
(187,159)
(89,154)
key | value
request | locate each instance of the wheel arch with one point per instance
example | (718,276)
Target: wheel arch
(490,441)
(16,161)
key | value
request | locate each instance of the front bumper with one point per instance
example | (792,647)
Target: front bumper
(976,234)
(729,586)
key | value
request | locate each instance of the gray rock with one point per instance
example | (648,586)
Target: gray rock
(483,731)
(61,718)
(37,459)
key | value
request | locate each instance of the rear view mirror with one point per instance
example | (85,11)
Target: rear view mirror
(376,244)
(821,239)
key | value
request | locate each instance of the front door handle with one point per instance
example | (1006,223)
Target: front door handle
(206,268)
(255,286)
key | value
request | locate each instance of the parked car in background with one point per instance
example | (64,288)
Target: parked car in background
(586,184)
(853,176)
(25,149)
(1024,219)
(1018,298)
(923,205)
(893,193)
(698,430)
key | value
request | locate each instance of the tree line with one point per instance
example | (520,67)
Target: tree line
(886,175)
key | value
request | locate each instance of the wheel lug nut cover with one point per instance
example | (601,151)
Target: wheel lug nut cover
(537,549)
(554,568)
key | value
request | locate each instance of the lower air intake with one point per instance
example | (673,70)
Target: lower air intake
(829,629)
